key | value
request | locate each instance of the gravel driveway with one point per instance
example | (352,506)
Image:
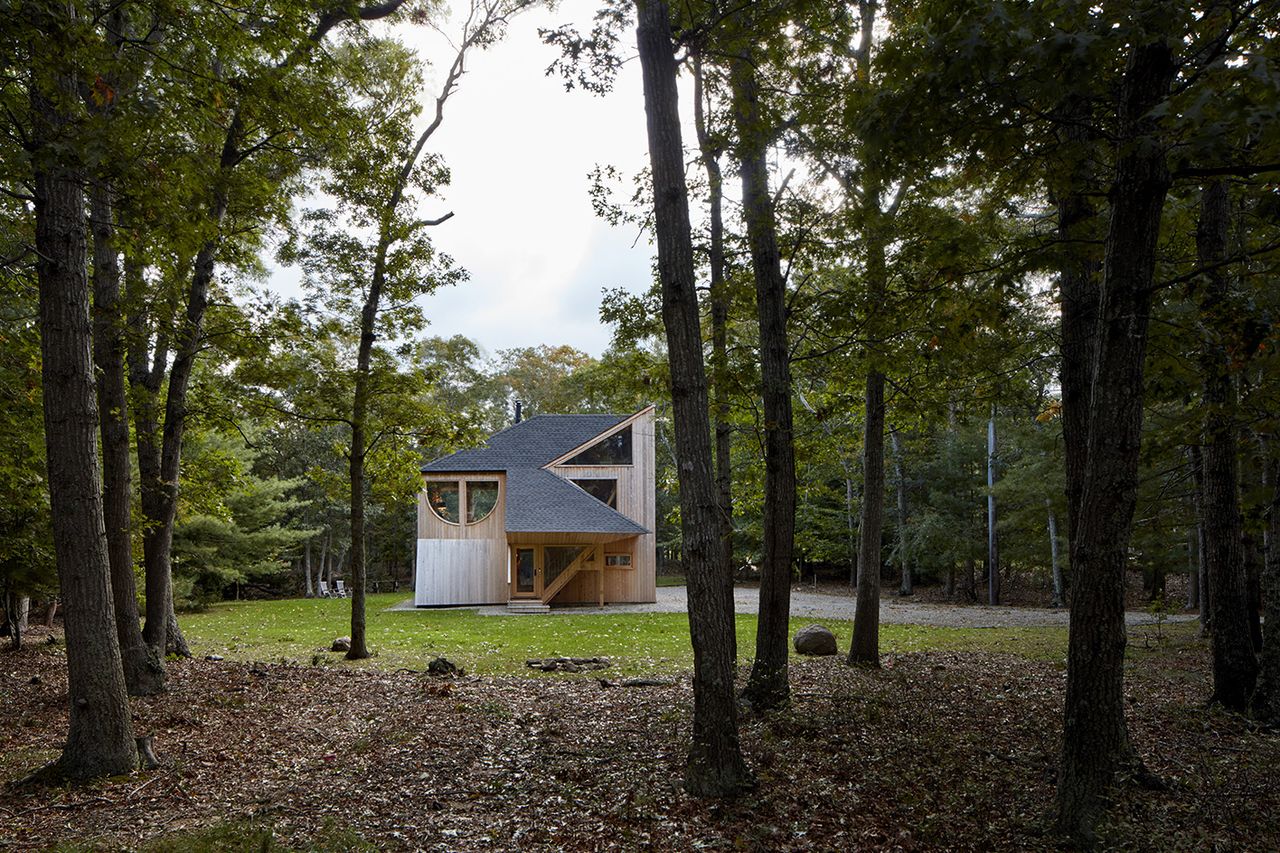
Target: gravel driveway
(893,610)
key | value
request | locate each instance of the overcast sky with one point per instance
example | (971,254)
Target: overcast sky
(520,148)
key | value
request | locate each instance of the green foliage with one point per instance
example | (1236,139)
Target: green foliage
(234,526)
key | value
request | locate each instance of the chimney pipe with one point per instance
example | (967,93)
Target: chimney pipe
(517,411)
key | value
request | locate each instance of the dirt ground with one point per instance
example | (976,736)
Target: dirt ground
(933,751)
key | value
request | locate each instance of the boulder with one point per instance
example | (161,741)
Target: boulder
(815,640)
(341,644)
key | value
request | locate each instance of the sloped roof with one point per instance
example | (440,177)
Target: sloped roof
(531,443)
(538,501)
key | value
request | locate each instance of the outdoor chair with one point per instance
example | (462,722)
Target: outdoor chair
(341,592)
(324,590)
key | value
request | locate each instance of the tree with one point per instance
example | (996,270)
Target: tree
(715,766)
(100,733)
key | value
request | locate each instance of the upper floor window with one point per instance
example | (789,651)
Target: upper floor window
(443,498)
(605,491)
(446,499)
(614,450)
(482,497)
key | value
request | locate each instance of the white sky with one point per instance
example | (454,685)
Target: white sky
(520,148)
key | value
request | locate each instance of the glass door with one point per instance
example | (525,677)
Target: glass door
(526,573)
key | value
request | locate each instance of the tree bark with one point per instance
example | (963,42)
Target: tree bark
(144,672)
(715,766)
(900,473)
(993,538)
(309,590)
(767,687)
(865,645)
(1235,667)
(1266,698)
(1196,457)
(719,299)
(1095,741)
(100,736)
(1059,598)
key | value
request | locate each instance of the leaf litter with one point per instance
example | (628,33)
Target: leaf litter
(934,751)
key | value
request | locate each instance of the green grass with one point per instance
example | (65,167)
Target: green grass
(301,630)
(670,580)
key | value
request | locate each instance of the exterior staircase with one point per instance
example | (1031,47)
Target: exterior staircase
(527,605)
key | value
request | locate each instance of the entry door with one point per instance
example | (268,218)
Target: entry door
(528,573)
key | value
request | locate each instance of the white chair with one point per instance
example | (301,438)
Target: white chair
(342,589)
(324,590)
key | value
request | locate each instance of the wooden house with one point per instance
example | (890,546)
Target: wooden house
(556,509)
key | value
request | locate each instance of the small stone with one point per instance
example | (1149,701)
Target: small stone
(815,640)
(341,644)
(214,658)
(443,668)
(35,679)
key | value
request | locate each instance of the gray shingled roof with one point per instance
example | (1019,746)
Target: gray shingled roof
(538,501)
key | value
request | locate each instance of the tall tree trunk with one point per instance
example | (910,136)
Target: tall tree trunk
(308,589)
(1193,570)
(899,468)
(719,298)
(144,673)
(1196,455)
(767,687)
(993,538)
(864,648)
(1266,699)
(715,765)
(1095,741)
(1235,668)
(100,736)
(1059,598)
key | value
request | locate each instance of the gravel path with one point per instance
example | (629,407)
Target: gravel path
(893,610)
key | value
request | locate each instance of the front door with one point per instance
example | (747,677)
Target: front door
(528,574)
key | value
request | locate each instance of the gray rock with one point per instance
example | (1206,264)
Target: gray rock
(341,644)
(815,640)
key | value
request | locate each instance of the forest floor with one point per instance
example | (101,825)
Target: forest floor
(938,749)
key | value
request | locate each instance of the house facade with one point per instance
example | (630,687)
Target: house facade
(553,510)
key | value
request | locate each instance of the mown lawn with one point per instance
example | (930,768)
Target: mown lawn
(301,630)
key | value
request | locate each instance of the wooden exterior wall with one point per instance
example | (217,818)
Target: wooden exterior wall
(468,564)
(461,563)
(636,500)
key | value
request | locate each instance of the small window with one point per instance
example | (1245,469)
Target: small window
(614,450)
(482,497)
(442,497)
(617,560)
(605,491)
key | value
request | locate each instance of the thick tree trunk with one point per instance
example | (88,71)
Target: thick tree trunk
(1059,598)
(1196,457)
(719,299)
(1095,741)
(715,765)
(993,538)
(767,687)
(865,645)
(100,736)
(144,672)
(1266,698)
(1235,668)
(1193,570)
(900,473)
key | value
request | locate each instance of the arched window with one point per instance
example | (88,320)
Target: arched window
(443,497)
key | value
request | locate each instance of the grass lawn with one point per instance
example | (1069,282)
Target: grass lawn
(300,630)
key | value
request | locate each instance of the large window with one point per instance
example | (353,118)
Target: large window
(482,497)
(614,450)
(445,497)
(605,491)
